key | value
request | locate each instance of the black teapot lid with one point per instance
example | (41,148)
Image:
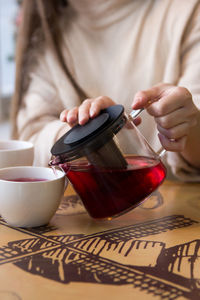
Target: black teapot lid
(81,140)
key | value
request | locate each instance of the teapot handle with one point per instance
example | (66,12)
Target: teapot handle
(134,114)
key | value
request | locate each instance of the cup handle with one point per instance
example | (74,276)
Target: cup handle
(134,114)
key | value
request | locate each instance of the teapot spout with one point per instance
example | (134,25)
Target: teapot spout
(55,161)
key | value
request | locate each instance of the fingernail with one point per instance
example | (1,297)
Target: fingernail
(92,112)
(62,118)
(71,120)
(82,120)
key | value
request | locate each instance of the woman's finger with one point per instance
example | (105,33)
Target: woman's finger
(72,116)
(83,111)
(162,99)
(179,116)
(137,121)
(89,108)
(100,103)
(145,98)
(172,145)
(171,101)
(63,115)
(176,132)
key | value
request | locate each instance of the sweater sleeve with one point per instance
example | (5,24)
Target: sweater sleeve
(38,117)
(189,78)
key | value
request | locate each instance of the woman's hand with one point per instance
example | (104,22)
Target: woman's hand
(90,108)
(173,110)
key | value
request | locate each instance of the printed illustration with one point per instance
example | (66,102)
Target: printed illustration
(118,256)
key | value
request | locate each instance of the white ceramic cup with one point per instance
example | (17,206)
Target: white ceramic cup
(16,153)
(30,204)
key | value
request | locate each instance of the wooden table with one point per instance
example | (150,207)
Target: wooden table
(152,252)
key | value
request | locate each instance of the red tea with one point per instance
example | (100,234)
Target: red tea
(110,192)
(26,179)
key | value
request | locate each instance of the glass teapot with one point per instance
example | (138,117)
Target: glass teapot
(109,163)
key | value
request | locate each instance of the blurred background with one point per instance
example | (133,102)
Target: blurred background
(9,21)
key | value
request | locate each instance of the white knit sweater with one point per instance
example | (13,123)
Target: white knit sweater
(115,48)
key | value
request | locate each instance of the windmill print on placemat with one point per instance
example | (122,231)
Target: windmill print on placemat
(118,256)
